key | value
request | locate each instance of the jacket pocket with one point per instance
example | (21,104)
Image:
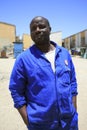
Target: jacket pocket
(64,76)
(64,93)
(65,104)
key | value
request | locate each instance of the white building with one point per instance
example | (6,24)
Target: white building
(56,37)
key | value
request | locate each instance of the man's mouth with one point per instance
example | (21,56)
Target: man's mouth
(40,35)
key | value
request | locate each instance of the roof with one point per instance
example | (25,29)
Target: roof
(6,23)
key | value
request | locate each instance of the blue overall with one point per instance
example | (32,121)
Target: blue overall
(47,94)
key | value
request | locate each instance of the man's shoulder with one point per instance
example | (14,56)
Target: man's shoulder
(59,47)
(64,52)
(27,51)
(62,49)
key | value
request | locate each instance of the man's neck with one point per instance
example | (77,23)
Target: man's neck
(46,47)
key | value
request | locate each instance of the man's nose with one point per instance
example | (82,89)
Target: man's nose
(37,29)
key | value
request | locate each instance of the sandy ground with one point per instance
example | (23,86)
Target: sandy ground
(9,116)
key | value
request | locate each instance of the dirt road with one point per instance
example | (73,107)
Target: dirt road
(10,118)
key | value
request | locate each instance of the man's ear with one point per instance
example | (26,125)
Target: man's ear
(50,29)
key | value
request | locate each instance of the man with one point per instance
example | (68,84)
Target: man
(43,83)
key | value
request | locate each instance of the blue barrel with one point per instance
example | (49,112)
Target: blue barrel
(18,48)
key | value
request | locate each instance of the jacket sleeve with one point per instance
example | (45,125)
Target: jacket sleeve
(74,90)
(17,84)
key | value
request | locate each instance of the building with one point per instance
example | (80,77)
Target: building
(7,36)
(27,41)
(77,43)
(56,37)
(78,40)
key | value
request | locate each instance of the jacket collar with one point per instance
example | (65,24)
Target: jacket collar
(39,52)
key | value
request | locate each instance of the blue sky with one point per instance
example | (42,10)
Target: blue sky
(68,16)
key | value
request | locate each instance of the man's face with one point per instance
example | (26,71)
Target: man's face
(40,30)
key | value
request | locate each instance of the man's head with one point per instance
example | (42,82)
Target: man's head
(40,30)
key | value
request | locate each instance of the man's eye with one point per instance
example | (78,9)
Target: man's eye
(41,27)
(33,28)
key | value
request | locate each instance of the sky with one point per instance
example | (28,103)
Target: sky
(67,16)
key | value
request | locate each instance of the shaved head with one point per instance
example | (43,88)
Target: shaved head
(40,18)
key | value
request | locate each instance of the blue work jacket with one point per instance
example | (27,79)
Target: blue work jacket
(47,94)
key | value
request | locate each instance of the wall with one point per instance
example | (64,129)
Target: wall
(77,40)
(57,37)
(27,41)
(7,34)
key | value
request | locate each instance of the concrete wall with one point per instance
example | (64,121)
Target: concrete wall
(27,41)
(56,37)
(77,40)
(7,34)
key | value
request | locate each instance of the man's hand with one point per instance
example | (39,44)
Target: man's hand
(23,114)
(75,101)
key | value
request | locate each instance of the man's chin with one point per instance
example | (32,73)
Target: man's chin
(39,41)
